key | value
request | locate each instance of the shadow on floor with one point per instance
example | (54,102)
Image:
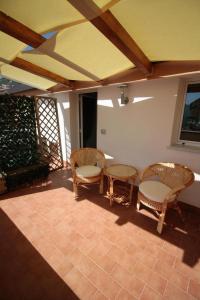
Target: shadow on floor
(184,235)
(57,179)
(24,274)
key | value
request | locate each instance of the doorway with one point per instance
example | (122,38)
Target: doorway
(88,120)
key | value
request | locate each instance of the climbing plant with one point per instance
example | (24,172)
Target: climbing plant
(18,137)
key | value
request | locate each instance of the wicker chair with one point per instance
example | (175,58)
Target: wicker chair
(160,186)
(87,167)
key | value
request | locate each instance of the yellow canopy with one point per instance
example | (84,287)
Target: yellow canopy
(76,50)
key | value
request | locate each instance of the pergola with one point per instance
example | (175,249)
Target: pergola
(68,45)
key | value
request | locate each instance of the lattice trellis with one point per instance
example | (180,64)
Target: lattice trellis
(48,131)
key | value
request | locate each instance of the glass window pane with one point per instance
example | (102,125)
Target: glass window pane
(190,129)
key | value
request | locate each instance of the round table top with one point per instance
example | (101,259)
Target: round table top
(121,171)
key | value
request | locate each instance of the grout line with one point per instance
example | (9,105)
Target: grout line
(142,291)
(118,293)
(158,293)
(165,288)
(187,289)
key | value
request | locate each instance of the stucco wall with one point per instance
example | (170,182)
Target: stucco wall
(140,132)
(64,123)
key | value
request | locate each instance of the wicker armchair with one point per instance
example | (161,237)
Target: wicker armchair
(160,186)
(87,167)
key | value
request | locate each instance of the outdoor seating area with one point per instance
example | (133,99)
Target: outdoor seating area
(99,150)
(60,247)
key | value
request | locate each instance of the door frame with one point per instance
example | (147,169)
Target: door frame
(80,114)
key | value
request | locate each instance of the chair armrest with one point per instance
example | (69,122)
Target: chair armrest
(146,173)
(72,164)
(174,192)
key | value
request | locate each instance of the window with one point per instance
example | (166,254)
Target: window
(187,115)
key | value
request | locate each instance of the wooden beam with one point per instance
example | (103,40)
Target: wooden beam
(160,69)
(107,24)
(31,92)
(58,88)
(125,76)
(30,37)
(20,31)
(175,67)
(86,84)
(32,68)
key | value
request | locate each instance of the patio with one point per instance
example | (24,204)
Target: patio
(56,247)
(121,77)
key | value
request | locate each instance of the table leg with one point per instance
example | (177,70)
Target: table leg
(131,193)
(111,191)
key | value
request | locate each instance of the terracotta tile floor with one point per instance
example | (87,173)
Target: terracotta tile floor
(53,246)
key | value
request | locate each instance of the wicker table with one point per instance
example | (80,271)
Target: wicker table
(124,173)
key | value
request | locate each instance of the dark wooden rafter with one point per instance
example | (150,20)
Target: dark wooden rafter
(161,69)
(24,34)
(31,92)
(27,66)
(20,31)
(33,39)
(60,88)
(107,24)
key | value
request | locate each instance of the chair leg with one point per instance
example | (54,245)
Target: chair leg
(111,201)
(101,186)
(75,189)
(138,204)
(179,211)
(111,190)
(161,220)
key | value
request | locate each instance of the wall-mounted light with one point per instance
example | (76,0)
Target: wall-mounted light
(124,90)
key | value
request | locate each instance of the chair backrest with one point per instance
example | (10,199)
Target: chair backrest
(87,156)
(171,174)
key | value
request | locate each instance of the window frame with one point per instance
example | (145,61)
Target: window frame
(179,112)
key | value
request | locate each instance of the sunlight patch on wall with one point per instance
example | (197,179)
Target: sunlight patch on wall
(65,105)
(108,156)
(106,102)
(139,99)
(196,176)
(119,102)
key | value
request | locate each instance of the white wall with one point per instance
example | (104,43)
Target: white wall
(64,123)
(140,132)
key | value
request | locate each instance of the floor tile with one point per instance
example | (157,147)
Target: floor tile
(104,283)
(149,294)
(163,268)
(129,282)
(179,279)
(124,295)
(82,287)
(172,292)
(85,265)
(157,283)
(194,289)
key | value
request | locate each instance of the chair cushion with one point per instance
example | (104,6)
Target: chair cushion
(154,190)
(88,171)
